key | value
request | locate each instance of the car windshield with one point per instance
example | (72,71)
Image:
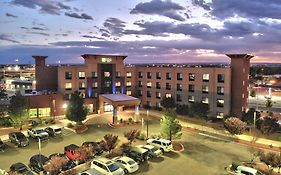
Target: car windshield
(131,162)
(39,131)
(113,167)
(58,130)
(20,136)
(168,144)
(154,149)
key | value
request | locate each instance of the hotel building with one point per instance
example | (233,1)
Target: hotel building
(224,89)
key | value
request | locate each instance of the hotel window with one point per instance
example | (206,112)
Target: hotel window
(205,89)
(220,90)
(219,114)
(158,75)
(129,74)
(68,75)
(107,83)
(220,78)
(148,75)
(206,77)
(118,74)
(168,95)
(179,76)
(118,84)
(191,88)
(129,92)
(179,87)
(220,103)
(106,74)
(67,96)
(140,83)
(81,75)
(168,86)
(179,98)
(95,95)
(191,77)
(205,100)
(191,99)
(140,75)
(128,84)
(158,104)
(158,85)
(94,74)
(148,84)
(82,85)
(140,93)
(95,85)
(82,94)
(158,95)
(148,94)
(148,103)
(168,76)
(68,86)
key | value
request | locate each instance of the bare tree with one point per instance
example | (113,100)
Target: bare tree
(132,135)
(271,160)
(85,152)
(55,164)
(109,142)
(234,125)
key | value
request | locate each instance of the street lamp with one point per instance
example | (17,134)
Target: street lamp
(147,114)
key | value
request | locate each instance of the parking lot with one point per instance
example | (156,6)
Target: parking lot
(202,155)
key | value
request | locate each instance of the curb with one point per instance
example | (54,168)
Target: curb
(181,149)
(120,126)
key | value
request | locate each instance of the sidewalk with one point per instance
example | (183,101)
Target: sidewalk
(242,139)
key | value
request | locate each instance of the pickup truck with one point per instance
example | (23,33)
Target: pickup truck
(38,133)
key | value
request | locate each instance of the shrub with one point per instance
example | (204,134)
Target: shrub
(130,120)
(142,136)
(121,120)
(5,121)
(234,125)
(234,165)
(155,136)
(69,125)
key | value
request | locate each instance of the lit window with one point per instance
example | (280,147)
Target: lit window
(158,95)
(95,85)
(205,100)
(191,98)
(191,76)
(129,74)
(220,103)
(220,90)
(168,95)
(118,74)
(106,74)
(82,85)
(68,86)
(128,83)
(118,84)
(129,92)
(81,75)
(219,114)
(205,89)
(206,77)
(148,84)
(94,74)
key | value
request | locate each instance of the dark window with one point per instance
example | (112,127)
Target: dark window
(140,83)
(191,77)
(67,96)
(179,76)
(220,78)
(140,93)
(107,83)
(68,75)
(148,75)
(118,74)
(82,85)
(168,76)
(148,94)
(220,90)
(140,75)
(158,95)
(168,86)
(191,88)
(179,87)
(94,75)
(158,86)
(158,75)
(179,98)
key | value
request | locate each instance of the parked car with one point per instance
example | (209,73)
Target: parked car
(97,148)
(241,170)
(37,162)
(38,133)
(137,154)
(152,150)
(20,168)
(163,144)
(90,172)
(19,139)
(2,145)
(70,151)
(127,164)
(106,166)
(70,164)
(54,131)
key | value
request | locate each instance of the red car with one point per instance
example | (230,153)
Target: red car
(71,153)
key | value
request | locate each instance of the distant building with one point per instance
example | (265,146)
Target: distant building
(225,89)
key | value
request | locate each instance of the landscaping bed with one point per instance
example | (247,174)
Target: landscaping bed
(177,146)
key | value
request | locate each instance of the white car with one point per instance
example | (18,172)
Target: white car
(38,133)
(153,151)
(3,172)
(241,170)
(128,164)
(90,172)
(163,144)
(106,166)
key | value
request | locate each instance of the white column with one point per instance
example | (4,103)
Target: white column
(114,114)
(137,112)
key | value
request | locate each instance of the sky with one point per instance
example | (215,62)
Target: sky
(147,31)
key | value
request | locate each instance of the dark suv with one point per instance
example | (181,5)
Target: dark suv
(37,162)
(20,168)
(19,139)
(137,154)
(97,148)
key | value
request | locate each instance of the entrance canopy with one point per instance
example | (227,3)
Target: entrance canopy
(119,100)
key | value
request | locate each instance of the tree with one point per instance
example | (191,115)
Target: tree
(18,110)
(248,116)
(85,152)
(168,102)
(109,142)
(76,110)
(55,165)
(182,109)
(268,104)
(132,135)
(170,127)
(268,125)
(234,125)
(253,93)
(271,160)
(146,106)
(199,109)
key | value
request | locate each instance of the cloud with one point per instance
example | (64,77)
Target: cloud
(45,6)
(76,15)
(113,26)
(6,37)
(92,37)
(158,7)
(11,15)
(202,3)
(38,28)
(39,33)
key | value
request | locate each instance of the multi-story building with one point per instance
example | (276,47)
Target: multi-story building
(223,88)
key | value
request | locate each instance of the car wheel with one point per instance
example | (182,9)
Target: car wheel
(126,171)
(162,150)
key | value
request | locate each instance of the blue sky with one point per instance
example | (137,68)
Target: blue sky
(148,31)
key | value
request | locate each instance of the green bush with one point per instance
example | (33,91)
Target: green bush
(234,165)
(69,125)
(5,121)
(130,120)
(155,136)
(142,136)
(121,120)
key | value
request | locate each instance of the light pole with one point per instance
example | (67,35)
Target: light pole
(147,114)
